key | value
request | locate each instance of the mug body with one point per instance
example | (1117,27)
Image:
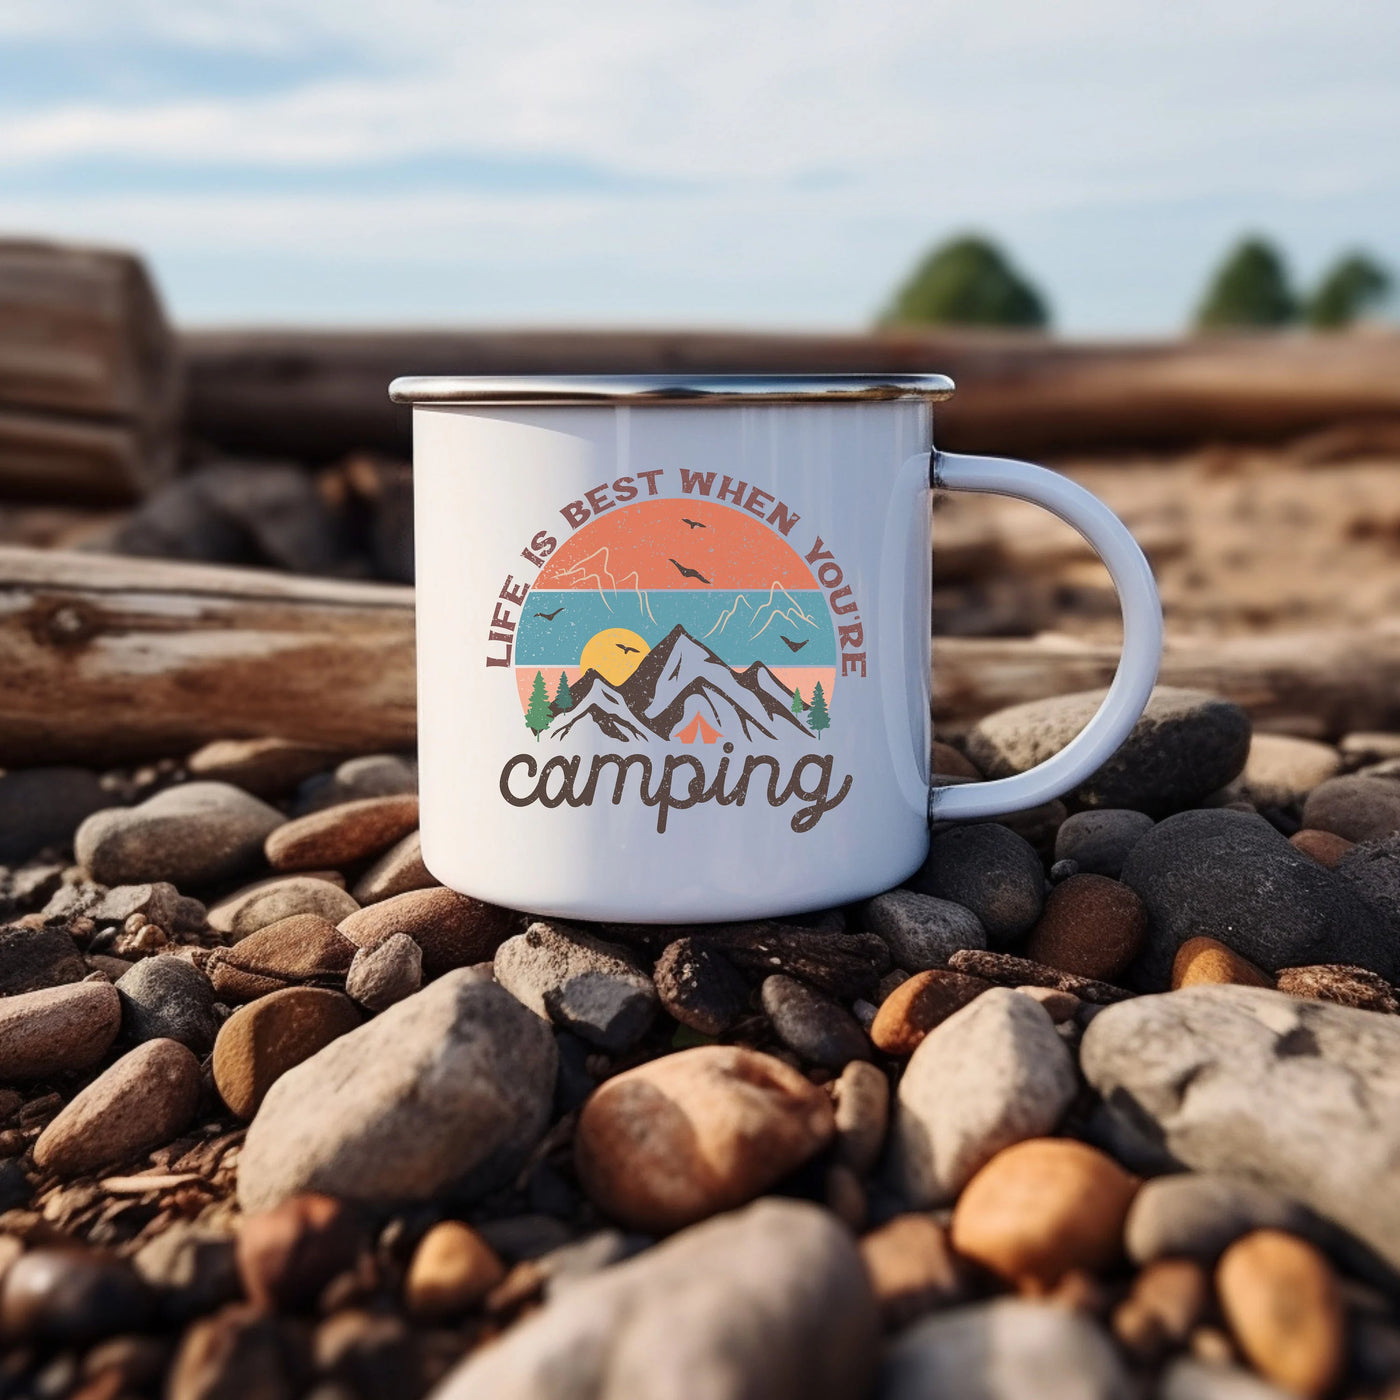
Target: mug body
(673,657)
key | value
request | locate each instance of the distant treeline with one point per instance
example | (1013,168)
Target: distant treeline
(969,281)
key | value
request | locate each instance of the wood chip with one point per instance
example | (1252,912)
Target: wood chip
(138,1185)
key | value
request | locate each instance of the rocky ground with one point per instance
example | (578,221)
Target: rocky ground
(1105,1102)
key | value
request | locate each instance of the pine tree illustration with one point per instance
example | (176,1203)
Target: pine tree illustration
(817,717)
(563,696)
(797,705)
(538,716)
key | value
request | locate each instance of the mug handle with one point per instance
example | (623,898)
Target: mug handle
(1142,634)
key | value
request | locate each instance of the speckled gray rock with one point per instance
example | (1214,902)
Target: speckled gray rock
(168,997)
(1186,746)
(770,1301)
(385,972)
(1189,1379)
(1357,807)
(1007,1349)
(160,902)
(1372,869)
(42,807)
(57,1028)
(921,930)
(990,870)
(1098,840)
(192,834)
(581,983)
(1300,1096)
(992,1074)
(1232,877)
(816,1028)
(1198,1215)
(31,958)
(268,901)
(446,1091)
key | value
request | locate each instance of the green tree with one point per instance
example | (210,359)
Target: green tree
(539,715)
(1352,285)
(966,282)
(797,705)
(817,717)
(1250,288)
(563,696)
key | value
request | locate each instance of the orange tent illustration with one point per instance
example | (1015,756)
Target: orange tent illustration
(698,725)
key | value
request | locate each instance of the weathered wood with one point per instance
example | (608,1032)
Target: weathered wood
(1319,683)
(107,660)
(85,351)
(320,394)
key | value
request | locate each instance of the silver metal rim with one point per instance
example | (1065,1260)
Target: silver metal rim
(671,388)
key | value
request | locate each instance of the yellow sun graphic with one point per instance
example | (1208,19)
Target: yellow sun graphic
(614,653)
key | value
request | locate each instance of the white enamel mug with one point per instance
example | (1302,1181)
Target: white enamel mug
(673,639)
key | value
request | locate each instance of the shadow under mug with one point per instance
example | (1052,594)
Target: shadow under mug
(674,641)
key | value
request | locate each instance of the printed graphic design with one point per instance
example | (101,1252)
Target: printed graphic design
(677,622)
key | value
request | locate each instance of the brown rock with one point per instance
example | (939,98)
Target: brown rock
(1346,986)
(1283,1304)
(453,1269)
(237,1354)
(1325,847)
(862,1105)
(686,1136)
(949,763)
(70,1296)
(1042,1208)
(34,958)
(1169,1298)
(453,930)
(1281,770)
(260,1042)
(385,973)
(288,1254)
(57,1028)
(1008,971)
(264,767)
(700,987)
(399,870)
(1059,1006)
(301,951)
(1357,807)
(1092,927)
(338,835)
(270,901)
(1201,960)
(912,1268)
(919,1004)
(147,1098)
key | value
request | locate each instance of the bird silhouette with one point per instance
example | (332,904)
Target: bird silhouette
(549,617)
(795,646)
(689,573)
(623,647)
(694,524)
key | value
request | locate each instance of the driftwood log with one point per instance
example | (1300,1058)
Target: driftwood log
(107,660)
(320,394)
(90,389)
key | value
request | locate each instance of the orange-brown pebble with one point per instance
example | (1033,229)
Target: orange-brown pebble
(1325,847)
(919,1004)
(912,1268)
(1204,960)
(1169,1298)
(335,836)
(948,762)
(684,1137)
(1042,1208)
(1092,927)
(453,1269)
(1284,1306)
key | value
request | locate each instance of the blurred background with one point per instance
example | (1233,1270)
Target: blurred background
(1154,245)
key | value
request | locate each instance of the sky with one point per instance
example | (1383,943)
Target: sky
(761,163)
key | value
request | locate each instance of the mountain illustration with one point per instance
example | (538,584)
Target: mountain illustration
(754,620)
(600,707)
(681,677)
